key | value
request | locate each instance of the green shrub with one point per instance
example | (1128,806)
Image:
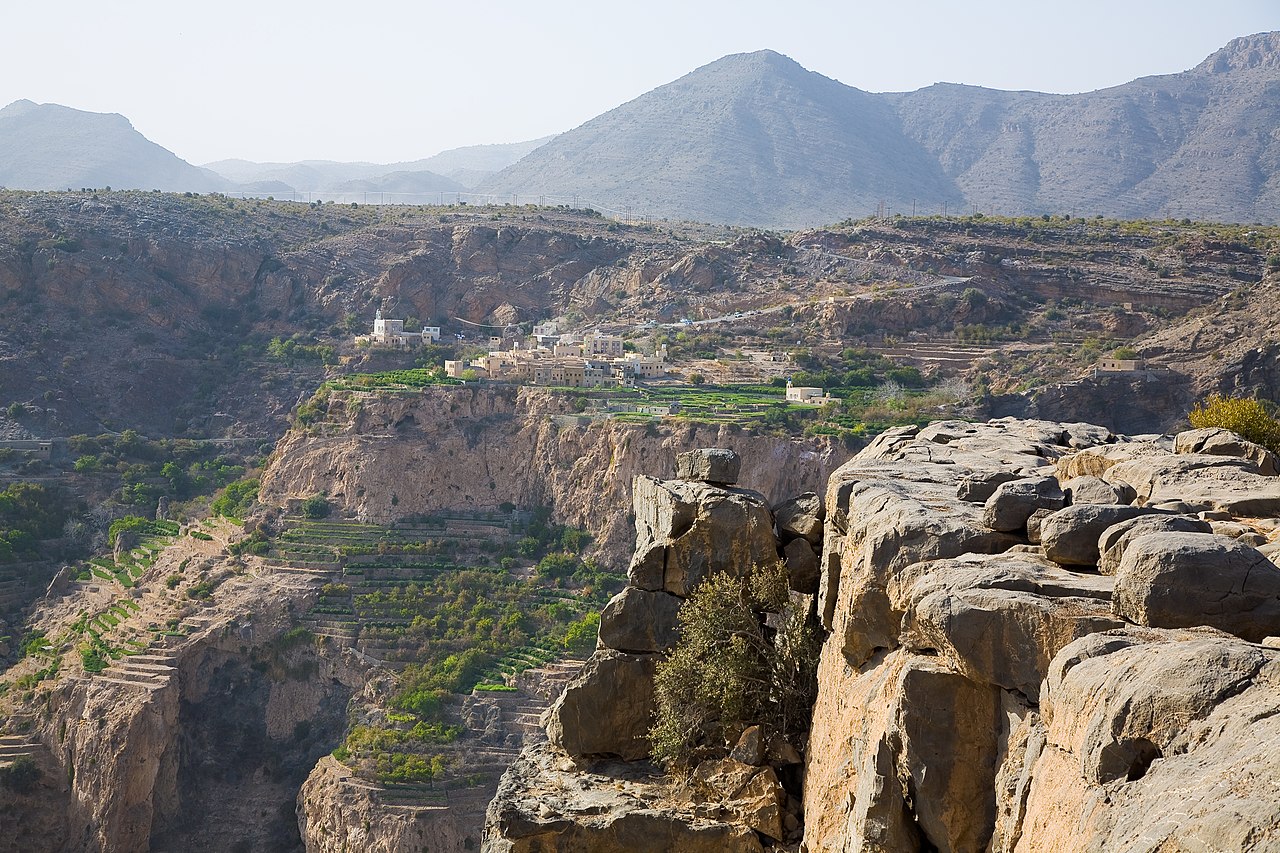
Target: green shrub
(729,671)
(1247,417)
(93,659)
(316,506)
(237,498)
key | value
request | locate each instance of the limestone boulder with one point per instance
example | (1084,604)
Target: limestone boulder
(752,794)
(980,485)
(1000,619)
(1201,481)
(709,465)
(695,529)
(1153,740)
(639,621)
(802,566)
(1181,580)
(1033,524)
(1012,503)
(1116,538)
(751,747)
(1070,536)
(1095,490)
(545,802)
(1223,442)
(801,516)
(607,709)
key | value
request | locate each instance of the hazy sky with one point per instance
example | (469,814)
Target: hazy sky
(383,80)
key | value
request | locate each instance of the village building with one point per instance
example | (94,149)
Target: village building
(806,395)
(563,361)
(1122,365)
(391,333)
(597,343)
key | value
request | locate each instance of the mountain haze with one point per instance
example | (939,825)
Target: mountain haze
(454,170)
(51,147)
(756,139)
(1197,144)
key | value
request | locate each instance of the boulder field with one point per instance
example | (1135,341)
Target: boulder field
(1038,637)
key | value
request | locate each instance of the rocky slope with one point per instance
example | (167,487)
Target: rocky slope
(382,457)
(1041,636)
(110,296)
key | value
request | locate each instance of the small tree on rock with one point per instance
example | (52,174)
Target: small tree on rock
(730,670)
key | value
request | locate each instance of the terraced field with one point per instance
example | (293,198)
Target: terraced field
(463,607)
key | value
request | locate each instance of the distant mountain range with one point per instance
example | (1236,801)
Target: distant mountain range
(757,139)
(452,171)
(52,147)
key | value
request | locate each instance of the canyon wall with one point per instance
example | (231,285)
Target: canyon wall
(380,457)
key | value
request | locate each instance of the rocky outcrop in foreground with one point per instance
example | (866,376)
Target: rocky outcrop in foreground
(1041,637)
(687,530)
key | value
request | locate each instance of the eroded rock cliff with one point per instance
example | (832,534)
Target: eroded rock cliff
(382,457)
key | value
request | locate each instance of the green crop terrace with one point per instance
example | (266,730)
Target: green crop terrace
(453,602)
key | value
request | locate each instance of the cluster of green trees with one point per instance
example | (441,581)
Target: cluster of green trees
(295,349)
(852,367)
(30,512)
(147,469)
(237,498)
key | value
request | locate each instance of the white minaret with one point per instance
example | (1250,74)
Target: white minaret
(379,325)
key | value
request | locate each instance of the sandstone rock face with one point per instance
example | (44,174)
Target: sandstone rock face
(1070,536)
(1180,580)
(637,620)
(940,640)
(1056,719)
(693,530)
(544,803)
(1116,538)
(717,465)
(607,709)
(1012,503)
(802,517)
(1223,442)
